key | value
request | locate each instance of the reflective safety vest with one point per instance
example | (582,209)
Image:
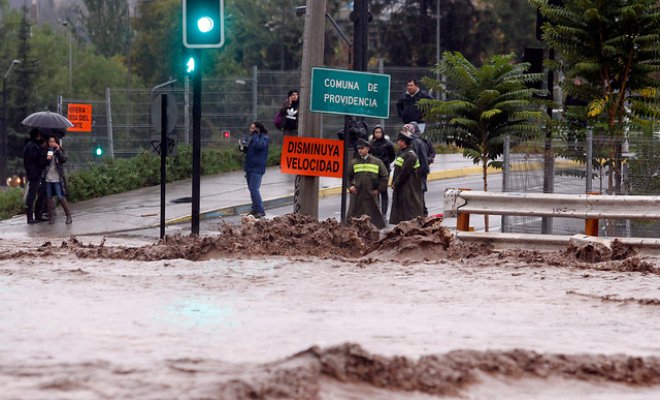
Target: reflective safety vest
(365,167)
(399,162)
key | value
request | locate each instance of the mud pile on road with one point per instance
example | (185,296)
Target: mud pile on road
(319,373)
(294,235)
(619,257)
(302,376)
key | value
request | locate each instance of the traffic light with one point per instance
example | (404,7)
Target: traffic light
(98,150)
(203,24)
(191,65)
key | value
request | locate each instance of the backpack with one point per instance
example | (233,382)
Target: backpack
(278,120)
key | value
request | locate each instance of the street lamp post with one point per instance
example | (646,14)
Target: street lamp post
(4,141)
(66,25)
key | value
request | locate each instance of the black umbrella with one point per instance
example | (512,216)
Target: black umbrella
(47,119)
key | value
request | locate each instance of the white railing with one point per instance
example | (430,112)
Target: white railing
(460,203)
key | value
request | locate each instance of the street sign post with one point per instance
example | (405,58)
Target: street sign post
(337,91)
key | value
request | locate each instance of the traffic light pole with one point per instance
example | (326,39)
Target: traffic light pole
(163,161)
(197,141)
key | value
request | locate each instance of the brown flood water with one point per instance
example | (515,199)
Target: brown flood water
(296,309)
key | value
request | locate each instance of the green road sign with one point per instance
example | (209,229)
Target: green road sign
(338,91)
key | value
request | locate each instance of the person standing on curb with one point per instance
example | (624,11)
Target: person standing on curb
(383,149)
(289,113)
(256,149)
(406,106)
(56,180)
(407,201)
(368,177)
(426,155)
(34,162)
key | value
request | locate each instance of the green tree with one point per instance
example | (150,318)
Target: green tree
(483,105)
(48,51)
(156,53)
(25,71)
(610,53)
(107,24)
(406,29)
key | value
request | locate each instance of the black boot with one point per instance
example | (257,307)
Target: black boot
(30,215)
(50,204)
(67,210)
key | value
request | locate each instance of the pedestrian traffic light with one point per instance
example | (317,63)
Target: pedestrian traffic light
(203,24)
(191,64)
(98,150)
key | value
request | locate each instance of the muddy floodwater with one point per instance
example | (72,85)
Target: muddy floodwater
(296,309)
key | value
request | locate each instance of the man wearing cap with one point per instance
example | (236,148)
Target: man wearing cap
(407,197)
(368,177)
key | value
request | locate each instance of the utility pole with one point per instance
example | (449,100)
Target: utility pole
(306,192)
(360,19)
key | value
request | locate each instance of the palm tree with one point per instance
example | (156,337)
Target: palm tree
(610,52)
(483,105)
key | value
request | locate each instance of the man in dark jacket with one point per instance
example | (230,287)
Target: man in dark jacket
(34,161)
(256,148)
(407,201)
(406,106)
(426,154)
(368,177)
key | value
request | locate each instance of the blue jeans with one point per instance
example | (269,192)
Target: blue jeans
(254,183)
(55,187)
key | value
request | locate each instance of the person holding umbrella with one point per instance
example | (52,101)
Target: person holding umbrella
(55,180)
(54,124)
(34,162)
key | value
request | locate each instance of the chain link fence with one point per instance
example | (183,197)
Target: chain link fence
(564,167)
(122,122)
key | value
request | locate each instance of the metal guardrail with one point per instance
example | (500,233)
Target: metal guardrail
(460,203)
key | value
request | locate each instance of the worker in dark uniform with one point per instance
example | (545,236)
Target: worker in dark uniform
(407,195)
(368,177)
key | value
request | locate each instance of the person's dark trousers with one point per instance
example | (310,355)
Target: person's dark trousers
(424,190)
(254,184)
(384,202)
(33,188)
(40,206)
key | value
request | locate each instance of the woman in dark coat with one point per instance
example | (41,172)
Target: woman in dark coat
(383,149)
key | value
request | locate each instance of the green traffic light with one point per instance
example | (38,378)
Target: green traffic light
(190,65)
(99,151)
(205,24)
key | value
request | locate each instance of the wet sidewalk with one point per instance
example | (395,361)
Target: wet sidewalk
(221,195)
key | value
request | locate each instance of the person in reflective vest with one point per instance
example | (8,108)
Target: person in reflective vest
(368,177)
(407,196)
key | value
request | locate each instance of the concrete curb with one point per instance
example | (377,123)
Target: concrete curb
(334,190)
